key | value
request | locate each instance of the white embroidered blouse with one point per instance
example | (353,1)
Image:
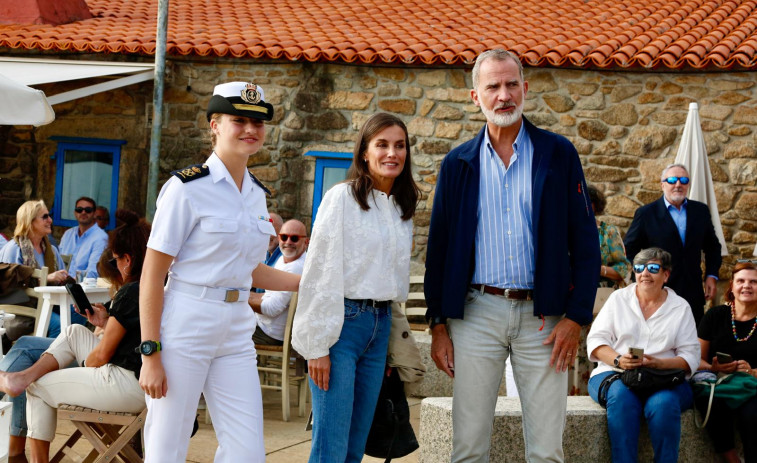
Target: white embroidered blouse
(355,254)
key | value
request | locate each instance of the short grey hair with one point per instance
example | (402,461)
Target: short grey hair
(670,166)
(649,254)
(498,54)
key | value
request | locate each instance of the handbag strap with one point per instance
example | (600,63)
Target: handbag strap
(604,387)
(395,433)
(709,402)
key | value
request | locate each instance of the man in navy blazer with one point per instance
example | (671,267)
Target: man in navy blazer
(512,265)
(683,228)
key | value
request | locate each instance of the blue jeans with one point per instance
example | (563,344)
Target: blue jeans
(53,329)
(23,354)
(662,411)
(342,416)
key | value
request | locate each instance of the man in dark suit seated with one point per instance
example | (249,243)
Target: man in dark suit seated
(684,228)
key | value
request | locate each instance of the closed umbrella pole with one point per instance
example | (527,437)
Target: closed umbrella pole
(692,153)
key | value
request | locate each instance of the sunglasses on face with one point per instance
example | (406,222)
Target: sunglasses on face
(45,216)
(653,268)
(746,261)
(673,180)
(293,238)
(114,262)
(88,210)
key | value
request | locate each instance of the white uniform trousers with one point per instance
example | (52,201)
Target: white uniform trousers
(107,387)
(206,347)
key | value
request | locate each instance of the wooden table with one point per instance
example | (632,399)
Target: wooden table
(57,295)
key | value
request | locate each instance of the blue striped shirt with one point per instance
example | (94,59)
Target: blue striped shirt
(504,237)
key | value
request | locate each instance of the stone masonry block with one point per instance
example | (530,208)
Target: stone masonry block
(585,439)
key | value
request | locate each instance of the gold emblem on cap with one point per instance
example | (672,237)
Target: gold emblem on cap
(251,94)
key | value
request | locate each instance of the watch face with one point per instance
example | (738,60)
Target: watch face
(146,348)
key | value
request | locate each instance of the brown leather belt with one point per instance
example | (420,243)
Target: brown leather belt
(507,293)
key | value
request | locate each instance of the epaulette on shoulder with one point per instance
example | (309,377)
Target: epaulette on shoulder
(190,173)
(259,183)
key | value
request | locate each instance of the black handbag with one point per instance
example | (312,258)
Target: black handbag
(645,381)
(391,435)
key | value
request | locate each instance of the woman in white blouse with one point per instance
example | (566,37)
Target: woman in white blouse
(645,315)
(358,263)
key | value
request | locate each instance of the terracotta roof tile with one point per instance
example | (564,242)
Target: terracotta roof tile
(570,33)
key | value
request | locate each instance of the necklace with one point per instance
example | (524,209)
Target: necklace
(733,327)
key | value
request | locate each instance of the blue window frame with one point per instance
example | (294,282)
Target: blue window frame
(85,167)
(330,169)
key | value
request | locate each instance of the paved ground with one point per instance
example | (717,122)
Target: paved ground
(284,442)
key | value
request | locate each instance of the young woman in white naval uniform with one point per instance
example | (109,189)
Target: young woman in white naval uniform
(210,232)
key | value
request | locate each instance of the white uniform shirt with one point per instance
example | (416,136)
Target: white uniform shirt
(355,254)
(669,332)
(274,305)
(217,234)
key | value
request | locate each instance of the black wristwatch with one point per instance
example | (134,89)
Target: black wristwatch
(617,360)
(433,321)
(148,347)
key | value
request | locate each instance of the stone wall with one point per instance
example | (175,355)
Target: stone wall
(625,125)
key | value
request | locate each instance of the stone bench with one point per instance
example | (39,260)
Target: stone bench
(435,383)
(585,438)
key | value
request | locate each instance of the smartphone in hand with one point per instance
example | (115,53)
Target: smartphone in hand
(80,298)
(723,358)
(636,352)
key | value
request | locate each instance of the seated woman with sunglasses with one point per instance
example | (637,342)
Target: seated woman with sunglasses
(644,315)
(31,247)
(110,365)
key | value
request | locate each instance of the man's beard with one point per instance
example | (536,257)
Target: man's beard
(677,197)
(503,120)
(289,253)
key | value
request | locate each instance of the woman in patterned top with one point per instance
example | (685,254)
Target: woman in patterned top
(613,273)
(615,267)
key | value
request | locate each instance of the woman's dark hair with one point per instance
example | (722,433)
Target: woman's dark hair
(649,254)
(130,237)
(404,189)
(597,198)
(748,265)
(108,271)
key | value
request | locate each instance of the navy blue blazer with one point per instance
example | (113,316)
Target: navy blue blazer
(653,226)
(566,242)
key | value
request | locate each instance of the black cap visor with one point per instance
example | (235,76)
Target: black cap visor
(238,107)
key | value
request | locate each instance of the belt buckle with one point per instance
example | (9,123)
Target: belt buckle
(232,295)
(507,293)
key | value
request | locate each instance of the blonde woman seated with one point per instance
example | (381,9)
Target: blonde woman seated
(107,378)
(645,315)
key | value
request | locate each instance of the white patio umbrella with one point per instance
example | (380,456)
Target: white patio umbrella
(22,105)
(693,154)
